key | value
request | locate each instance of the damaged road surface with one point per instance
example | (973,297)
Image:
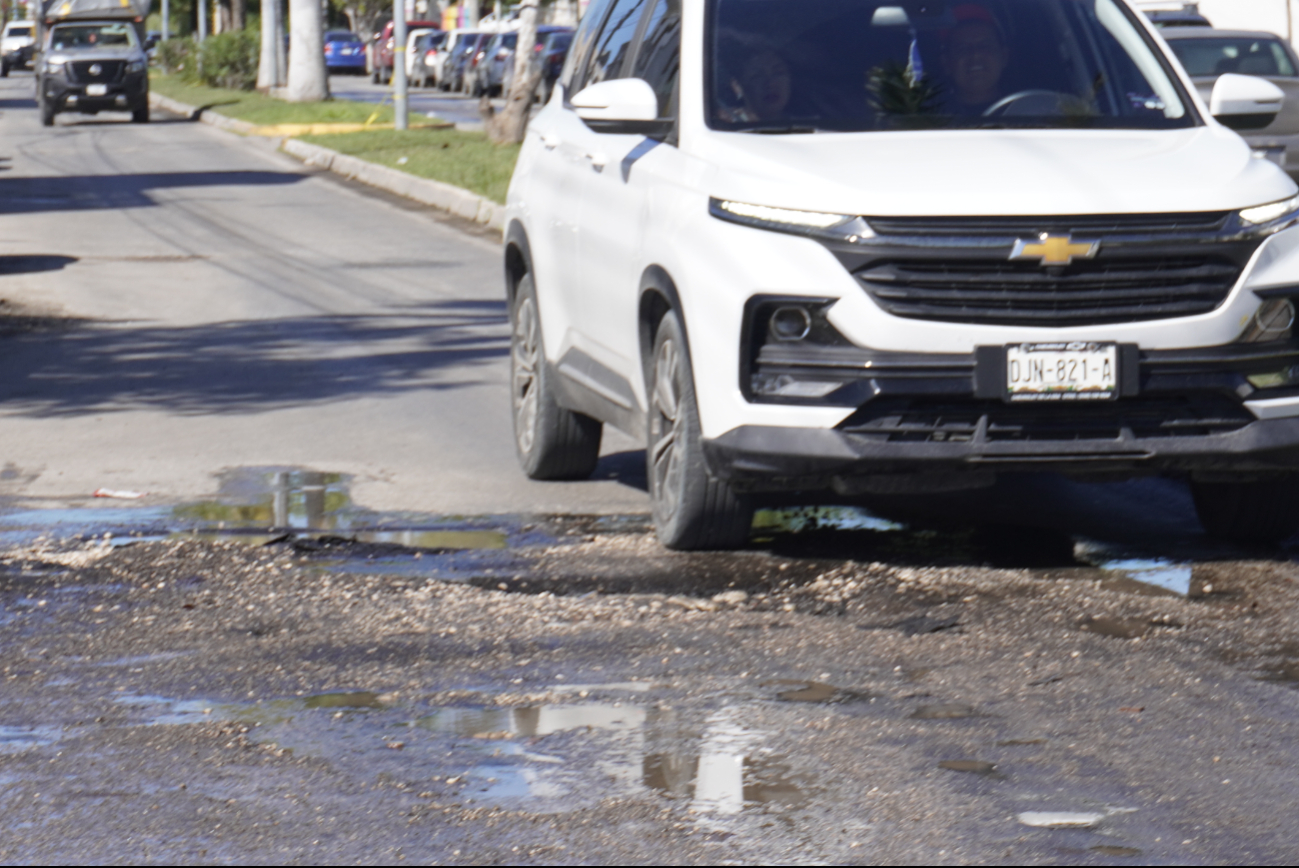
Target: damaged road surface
(599,700)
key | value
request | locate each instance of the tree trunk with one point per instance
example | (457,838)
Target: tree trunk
(307,79)
(268,65)
(509,125)
(238,14)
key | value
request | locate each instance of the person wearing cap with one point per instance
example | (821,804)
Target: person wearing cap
(974,57)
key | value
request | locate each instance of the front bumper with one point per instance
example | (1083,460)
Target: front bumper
(1178,411)
(131,93)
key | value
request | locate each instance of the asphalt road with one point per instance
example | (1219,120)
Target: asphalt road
(341,627)
(231,308)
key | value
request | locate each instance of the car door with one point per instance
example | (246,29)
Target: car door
(555,174)
(615,193)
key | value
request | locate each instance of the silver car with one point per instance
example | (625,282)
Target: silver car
(1207,54)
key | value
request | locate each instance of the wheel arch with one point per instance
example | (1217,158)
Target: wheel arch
(658,296)
(518,259)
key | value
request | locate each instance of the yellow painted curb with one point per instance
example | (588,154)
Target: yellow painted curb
(293,130)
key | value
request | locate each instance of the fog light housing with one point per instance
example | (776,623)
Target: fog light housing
(1282,379)
(1273,321)
(785,386)
(790,323)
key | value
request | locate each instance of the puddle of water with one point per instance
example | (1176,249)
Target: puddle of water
(1060,819)
(632,686)
(271,497)
(971,767)
(358,699)
(531,721)
(943,712)
(1150,576)
(809,518)
(17,739)
(814,691)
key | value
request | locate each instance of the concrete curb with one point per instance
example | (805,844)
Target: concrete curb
(244,128)
(457,200)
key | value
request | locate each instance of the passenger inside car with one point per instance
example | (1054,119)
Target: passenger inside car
(975,56)
(762,88)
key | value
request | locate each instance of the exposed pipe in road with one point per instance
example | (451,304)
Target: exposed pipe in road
(399,64)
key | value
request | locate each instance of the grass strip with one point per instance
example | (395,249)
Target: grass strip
(263,110)
(464,159)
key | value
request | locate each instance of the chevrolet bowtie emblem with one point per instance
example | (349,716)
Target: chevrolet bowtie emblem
(1054,249)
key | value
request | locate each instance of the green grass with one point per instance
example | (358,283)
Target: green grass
(263,110)
(466,160)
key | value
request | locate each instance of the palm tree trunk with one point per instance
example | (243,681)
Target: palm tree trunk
(509,125)
(307,79)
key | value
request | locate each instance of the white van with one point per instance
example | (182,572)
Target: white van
(844,247)
(16,46)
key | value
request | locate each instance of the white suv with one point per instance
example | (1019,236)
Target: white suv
(846,247)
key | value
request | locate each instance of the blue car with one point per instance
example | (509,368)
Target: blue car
(344,52)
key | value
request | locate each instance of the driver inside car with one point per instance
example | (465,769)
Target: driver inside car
(974,57)
(763,88)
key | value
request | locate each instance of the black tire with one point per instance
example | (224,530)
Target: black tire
(47,113)
(692,510)
(140,115)
(1249,512)
(374,76)
(4,69)
(551,442)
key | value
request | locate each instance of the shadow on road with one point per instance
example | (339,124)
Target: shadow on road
(30,264)
(248,366)
(91,192)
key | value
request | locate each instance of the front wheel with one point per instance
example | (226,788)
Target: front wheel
(1266,511)
(551,442)
(693,511)
(140,115)
(4,69)
(47,113)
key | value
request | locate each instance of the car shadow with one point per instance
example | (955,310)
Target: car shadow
(29,195)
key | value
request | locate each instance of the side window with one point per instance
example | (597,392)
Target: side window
(659,55)
(586,31)
(609,53)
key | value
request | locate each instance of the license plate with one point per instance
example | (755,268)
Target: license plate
(1062,372)
(96,89)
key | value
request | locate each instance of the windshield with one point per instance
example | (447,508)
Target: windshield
(92,36)
(341,36)
(18,31)
(852,65)
(1205,57)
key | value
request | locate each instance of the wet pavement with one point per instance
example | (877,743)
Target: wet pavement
(276,673)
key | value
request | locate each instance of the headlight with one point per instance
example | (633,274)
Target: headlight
(789,220)
(53,68)
(136,66)
(1271,213)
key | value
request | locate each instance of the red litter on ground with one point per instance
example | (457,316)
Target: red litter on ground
(120,495)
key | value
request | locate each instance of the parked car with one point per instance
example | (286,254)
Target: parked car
(423,57)
(412,37)
(466,65)
(1188,16)
(551,58)
(344,53)
(1207,54)
(381,53)
(442,66)
(496,70)
(16,46)
(816,252)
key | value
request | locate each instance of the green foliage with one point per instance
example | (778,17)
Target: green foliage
(895,92)
(175,56)
(265,110)
(229,60)
(464,159)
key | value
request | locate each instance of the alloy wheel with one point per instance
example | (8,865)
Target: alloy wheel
(525,358)
(667,450)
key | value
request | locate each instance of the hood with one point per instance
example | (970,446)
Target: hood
(996,172)
(125,52)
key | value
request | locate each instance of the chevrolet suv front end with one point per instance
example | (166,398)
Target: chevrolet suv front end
(865,247)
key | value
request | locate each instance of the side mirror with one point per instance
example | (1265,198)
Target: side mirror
(1245,102)
(623,105)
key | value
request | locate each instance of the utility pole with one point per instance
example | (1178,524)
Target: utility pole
(399,64)
(202,20)
(1289,21)
(166,20)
